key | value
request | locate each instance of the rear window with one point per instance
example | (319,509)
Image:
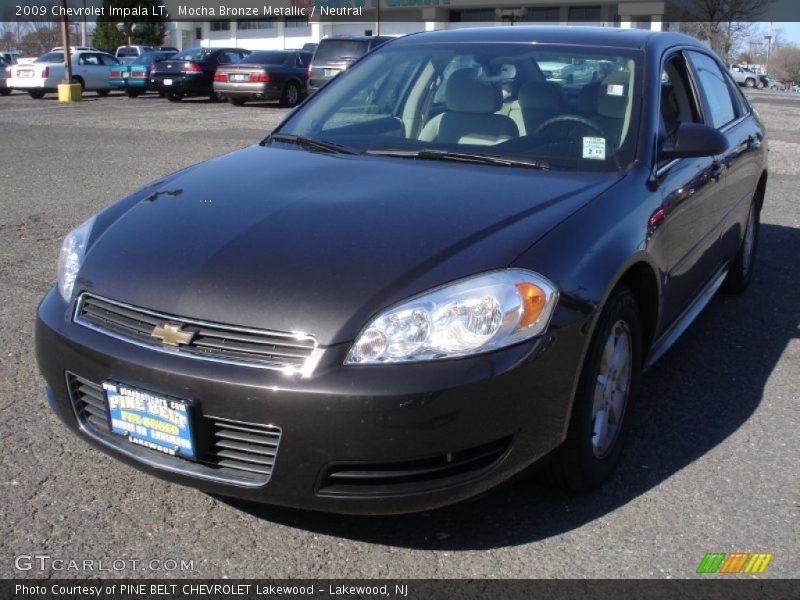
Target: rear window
(193,54)
(265,58)
(339,50)
(151,57)
(127,52)
(51,57)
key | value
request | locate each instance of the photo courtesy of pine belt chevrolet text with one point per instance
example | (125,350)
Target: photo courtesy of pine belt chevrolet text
(448,265)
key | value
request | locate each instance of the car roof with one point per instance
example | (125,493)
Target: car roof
(570,35)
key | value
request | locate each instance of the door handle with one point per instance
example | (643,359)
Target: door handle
(753,143)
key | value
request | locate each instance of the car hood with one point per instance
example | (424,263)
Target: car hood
(290,240)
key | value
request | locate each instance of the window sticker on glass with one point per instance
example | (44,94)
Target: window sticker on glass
(615,89)
(594,148)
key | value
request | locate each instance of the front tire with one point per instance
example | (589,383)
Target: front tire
(36,94)
(741,269)
(133,93)
(602,408)
(750,82)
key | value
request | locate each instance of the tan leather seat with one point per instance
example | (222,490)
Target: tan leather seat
(470,117)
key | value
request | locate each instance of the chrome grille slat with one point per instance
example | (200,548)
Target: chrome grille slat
(212,341)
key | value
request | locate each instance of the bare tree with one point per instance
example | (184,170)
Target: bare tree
(785,63)
(722,24)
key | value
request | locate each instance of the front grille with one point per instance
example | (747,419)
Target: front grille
(244,447)
(212,341)
(89,402)
(407,477)
(237,451)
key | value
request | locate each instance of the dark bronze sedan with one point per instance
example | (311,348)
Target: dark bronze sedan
(439,270)
(267,75)
(191,72)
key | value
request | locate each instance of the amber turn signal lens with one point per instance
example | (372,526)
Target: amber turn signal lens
(534,299)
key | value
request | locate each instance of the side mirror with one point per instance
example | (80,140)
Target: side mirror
(694,140)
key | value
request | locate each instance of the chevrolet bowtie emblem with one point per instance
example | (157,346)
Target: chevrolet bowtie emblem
(172,335)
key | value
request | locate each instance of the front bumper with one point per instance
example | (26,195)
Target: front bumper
(406,430)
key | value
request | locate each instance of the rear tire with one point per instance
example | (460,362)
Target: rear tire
(36,94)
(603,401)
(215,97)
(80,82)
(5,91)
(291,95)
(174,97)
(741,269)
(236,101)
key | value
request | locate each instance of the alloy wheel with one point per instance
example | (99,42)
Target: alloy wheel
(612,389)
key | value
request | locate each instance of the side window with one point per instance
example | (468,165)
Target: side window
(90,59)
(678,103)
(714,88)
(303,60)
(224,58)
(108,60)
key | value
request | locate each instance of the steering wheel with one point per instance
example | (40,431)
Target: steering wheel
(569,119)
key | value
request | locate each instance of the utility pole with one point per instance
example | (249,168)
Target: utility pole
(378,17)
(769,46)
(65,43)
(83,25)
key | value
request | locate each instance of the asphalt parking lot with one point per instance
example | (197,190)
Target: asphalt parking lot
(712,463)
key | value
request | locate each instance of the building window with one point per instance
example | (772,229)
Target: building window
(198,33)
(296,22)
(220,26)
(584,14)
(253,24)
(543,14)
(476,15)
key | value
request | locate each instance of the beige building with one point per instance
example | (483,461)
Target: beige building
(409,16)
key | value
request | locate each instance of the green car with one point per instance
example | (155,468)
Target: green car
(133,78)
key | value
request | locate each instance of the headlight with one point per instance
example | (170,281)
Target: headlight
(470,316)
(69,261)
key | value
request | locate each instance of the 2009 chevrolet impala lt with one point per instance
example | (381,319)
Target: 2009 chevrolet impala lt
(452,262)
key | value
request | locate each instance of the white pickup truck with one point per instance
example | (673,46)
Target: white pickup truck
(746,77)
(89,68)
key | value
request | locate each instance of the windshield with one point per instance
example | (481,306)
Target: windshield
(570,107)
(55,57)
(193,54)
(264,58)
(339,50)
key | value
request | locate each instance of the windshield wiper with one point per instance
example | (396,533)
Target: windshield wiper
(309,143)
(484,159)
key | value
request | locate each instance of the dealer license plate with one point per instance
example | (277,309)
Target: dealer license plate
(125,74)
(149,420)
(168,82)
(239,77)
